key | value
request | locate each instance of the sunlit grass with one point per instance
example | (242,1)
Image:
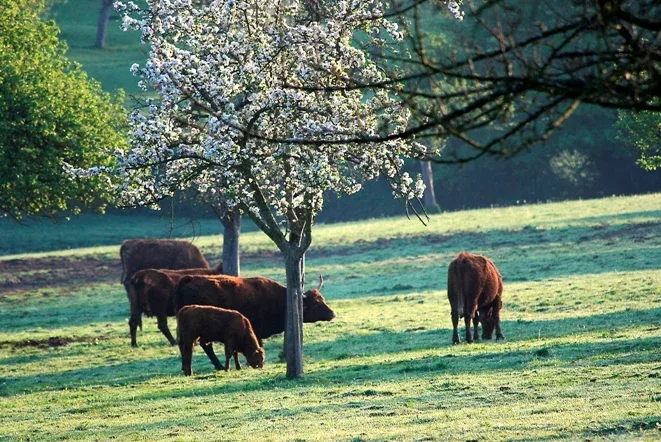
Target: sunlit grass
(582,317)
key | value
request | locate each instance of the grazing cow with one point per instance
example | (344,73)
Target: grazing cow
(475,289)
(207,324)
(151,292)
(139,254)
(263,301)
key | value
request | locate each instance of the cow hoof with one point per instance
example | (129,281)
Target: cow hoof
(134,345)
(500,338)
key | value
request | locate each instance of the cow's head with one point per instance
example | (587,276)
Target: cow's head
(315,307)
(488,323)
(256,358)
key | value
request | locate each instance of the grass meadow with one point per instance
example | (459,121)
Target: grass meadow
(582,317)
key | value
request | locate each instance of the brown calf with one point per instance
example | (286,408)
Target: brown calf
(208,324)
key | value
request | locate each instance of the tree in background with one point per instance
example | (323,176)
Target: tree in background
(643,130)
(227,121)
(102,25)
(521,70)
(50,113)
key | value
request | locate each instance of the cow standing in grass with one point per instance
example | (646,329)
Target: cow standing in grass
(475,289)
(151,292)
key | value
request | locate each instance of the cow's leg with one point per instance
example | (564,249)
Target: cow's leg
(475,329)
(127,286)
(229,352)
(163,327)
(133,327)
(467,322)
(237,364)
(208,349)
(496,317)
(499,332)
(186,350)
(455,325)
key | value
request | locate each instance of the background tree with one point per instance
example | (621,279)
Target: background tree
(102,25)
(521,70)
(50,113)
(230,218)
(227,121)
(643,130)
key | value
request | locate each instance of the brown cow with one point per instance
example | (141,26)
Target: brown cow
(139,254)
(263,301)
(475,289)
(151,292)
(207,324)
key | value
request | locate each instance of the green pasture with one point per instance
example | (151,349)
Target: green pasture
(582,359)
(77,20)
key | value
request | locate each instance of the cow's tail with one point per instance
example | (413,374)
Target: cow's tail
(123,258)
(455,288)
(181,292)
(136,307)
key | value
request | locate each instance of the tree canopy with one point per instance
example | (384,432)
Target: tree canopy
(643,130)
(515,71)
(51,113)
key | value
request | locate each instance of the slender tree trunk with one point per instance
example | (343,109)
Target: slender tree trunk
(303,274)
(231,220)
(294,318)
(429,197)
(102,27)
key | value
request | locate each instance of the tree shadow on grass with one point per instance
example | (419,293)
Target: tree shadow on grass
(106,375)
(64,310)
(489,239)
(408,265)
(626,429)
(386,341)
(622,216)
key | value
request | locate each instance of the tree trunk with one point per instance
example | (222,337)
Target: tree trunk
(231,220)
(294,318)
(303,274)
(429,197)
(102,27)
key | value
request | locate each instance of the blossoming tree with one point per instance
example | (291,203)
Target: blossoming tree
(233,116)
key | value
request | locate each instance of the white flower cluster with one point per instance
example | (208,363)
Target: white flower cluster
(455,9)
(254,102)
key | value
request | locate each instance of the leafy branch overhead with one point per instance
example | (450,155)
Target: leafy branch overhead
(512,72)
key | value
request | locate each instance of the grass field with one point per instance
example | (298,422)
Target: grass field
(77,20)
(582,317)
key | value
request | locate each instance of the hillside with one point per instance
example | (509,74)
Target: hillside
(581,316)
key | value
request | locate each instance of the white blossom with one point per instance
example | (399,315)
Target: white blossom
(240,85)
